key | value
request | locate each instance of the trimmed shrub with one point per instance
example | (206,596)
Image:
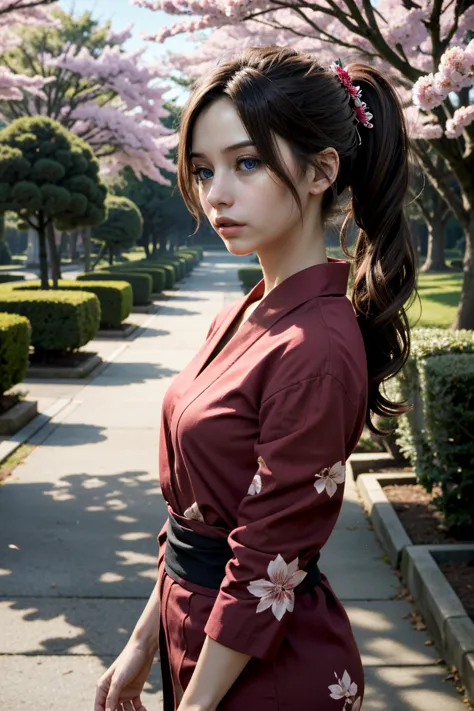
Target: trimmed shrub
(157,274)
(250,276)
(413,429)
(176,265)
(115,299)
(7,278)
(198,252)
(141,283)
(448,389)
(60,320)
(170,270)
(15,338)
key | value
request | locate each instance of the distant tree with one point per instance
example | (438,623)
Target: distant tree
(122,228)
(49,177)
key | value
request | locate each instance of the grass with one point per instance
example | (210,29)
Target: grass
(439,294)
(9,465)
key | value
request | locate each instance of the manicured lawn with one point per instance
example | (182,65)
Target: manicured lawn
(439,294)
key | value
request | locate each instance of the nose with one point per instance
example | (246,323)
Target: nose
(220,191)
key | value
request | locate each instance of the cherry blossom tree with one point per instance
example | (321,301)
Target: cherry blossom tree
(427,48)
(96,90)
(12,13)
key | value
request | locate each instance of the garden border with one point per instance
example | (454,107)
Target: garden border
(442,610)
(48,372)
(17,417)
(388,527)
(361,461)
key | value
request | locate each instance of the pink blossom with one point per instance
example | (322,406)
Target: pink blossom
(277,592)
(425,93)
(344,689)
(462,117)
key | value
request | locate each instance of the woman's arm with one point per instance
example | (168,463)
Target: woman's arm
(146,629)
(216,670)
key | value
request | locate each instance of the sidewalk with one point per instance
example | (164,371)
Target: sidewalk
(84,510)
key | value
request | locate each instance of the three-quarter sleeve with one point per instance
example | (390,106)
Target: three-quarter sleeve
(287,515)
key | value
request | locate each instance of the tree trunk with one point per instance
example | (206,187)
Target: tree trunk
(465,313)
(86,236)
(435,261)
(43,255)
(111,255)
(99,256)
(73,254)
(146,246)
(63,247)
(55,259)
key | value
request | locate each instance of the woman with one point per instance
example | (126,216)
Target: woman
(258,427)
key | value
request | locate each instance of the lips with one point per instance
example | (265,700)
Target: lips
(225,222)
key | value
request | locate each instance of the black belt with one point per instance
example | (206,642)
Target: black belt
(202,560)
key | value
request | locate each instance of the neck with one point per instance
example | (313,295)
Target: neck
(279,265)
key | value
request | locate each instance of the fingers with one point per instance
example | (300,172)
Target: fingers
(100,697)
(137,704)
(127,706)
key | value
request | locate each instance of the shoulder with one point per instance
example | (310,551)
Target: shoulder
(319,338)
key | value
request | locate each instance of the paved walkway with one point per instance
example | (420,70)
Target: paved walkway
(85,507)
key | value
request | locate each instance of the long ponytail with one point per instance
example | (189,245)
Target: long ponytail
(384,259)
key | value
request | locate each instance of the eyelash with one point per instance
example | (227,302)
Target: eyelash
(197,171)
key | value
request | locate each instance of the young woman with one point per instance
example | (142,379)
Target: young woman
(257,429)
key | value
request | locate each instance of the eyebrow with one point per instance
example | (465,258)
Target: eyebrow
(229,149)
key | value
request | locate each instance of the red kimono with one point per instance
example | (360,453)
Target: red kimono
(253,446)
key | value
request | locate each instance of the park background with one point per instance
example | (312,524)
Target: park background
(107,291)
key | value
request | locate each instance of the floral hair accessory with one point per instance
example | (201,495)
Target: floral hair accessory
(361,109)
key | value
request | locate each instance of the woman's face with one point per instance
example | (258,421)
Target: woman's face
(235,185)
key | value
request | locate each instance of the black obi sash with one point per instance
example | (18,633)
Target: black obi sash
(201,560)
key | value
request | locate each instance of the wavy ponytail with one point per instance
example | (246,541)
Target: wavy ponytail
(280,91)
(384,260)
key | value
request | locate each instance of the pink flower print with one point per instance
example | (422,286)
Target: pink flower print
(256,485)
(194,513)
(347,690)
(329,479)
(277,592)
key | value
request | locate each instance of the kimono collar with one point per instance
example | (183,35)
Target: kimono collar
(329,279)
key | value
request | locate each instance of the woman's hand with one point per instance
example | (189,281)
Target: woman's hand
(124,681)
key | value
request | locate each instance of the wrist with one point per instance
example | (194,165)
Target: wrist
(146,641)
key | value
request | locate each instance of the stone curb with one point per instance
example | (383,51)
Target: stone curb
(117,333)
(362,461)
(18,416)
(445,616)
(387,525)
(32,428)
(80,371)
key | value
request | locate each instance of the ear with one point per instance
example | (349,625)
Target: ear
(325,170)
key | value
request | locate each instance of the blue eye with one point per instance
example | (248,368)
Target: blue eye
(249,164)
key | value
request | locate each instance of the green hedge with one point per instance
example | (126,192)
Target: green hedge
(141,283)
(414,430)
(115,299)
(60,320)
(175,264)
(197,250)
(170,270)
(15,338)
(449,432)
(7,278)
(157,274)
(250,276)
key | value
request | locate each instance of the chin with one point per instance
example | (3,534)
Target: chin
(238,248)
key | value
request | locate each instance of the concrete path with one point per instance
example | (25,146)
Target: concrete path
(85,507)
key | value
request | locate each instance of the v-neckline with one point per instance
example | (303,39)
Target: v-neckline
(217,350)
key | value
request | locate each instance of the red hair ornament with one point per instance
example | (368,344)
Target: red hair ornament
(361,109)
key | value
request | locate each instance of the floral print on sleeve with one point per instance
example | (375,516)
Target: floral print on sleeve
(277,592)
(347,690)
(256,485)
(329,479)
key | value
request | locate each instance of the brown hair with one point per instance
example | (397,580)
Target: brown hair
(279,91)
